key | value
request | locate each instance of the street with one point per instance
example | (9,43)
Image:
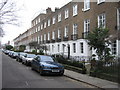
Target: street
(17,75)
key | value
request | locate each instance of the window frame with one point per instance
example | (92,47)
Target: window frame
(75,10)
(86,5)
(66,13)
(103,22)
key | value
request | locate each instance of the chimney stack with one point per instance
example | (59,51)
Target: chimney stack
(48,10)
(56,9)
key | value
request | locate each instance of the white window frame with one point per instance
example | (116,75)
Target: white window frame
(59,17)
(75,28)
(100,1)
(114,48)
(44,37)
(41,38)
(49,22)
(75,10)
(74,47)
(54,20)
(48,36)
(86,25)
(86,5)
(45,24)
(66,13)
(82,47)
(38,28)
(118,18)
(41,26)
(59,33)
(53,35)
(102,20)
(66,30)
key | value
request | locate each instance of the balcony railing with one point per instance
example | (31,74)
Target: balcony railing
(74,37)
(52,40)
(58,39)
(65,38)
(48,41)
(85,34)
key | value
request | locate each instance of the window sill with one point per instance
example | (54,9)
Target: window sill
(86,9)
(100,2)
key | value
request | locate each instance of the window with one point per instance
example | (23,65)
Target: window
(66,31)
(38,39)
(38,28)
(41,38)
(75,10)
(35,29)
(45,24)
(58,48)
(49,22)
(86,25)
(39,20)
(53,35)
(41,26)
(52,48)
(101,21)
(74,47)
(44,37)
(59,17)
(49,36)
(86,5)
(66,13)
(59,33)
(81,48)
(100,1)
(75,29)
(53,20)
(114,48)
(118,19)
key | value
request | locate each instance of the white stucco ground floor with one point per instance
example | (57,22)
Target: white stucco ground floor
(78,49)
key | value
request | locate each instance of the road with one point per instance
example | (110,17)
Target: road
(17,75)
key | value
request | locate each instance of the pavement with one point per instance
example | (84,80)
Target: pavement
(97,82)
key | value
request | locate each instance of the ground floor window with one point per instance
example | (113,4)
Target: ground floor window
(81,48)
(114,48)
(74,47)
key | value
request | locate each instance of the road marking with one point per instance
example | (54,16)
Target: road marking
(26,83)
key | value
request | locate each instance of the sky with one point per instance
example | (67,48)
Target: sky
(29,9)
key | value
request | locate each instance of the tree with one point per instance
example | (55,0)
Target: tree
(8,47)
(97,39)
(7,14)
(22,48)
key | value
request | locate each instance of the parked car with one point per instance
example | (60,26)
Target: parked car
(14,55)
(21,55)
(10,53)
(46,65)
(28,59)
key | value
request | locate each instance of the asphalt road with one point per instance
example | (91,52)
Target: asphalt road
(17,75)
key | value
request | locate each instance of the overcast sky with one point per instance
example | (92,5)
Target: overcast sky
(29,9)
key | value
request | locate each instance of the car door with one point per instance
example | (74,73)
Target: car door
(35,63)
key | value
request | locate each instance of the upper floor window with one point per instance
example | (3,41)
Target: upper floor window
(66,31)
(118,19)
(100,1)
(54,20)
(59,17)
(87,25)
(86,5)
(101,21)
(39,20)
(53,35)
(41,38)
(75,28)
(45,24)
(75,10)
(41,26)
(59,33)
(44,37)
(38,28)
(66,13)
(49,22)
(48,35)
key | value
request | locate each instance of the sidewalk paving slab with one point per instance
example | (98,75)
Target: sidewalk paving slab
(97,82)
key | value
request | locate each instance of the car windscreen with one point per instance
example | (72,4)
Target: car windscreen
(46,58)
(22,54)
(30,55)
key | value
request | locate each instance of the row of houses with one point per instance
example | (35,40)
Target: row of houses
(64,30)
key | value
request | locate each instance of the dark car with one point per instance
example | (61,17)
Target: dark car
(28,59)
(46,65)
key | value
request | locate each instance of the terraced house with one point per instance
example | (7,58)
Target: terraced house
(64,30)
